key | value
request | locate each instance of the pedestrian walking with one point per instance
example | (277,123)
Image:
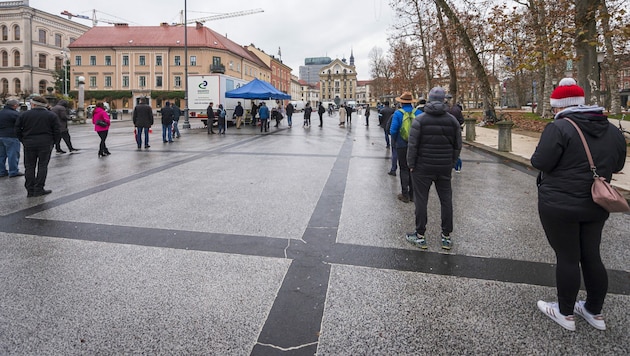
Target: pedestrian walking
(263,113)
(238,114)
(367,115)
(320,111)
(61,110)
(211,115)
(290,110)
(101,121)
(572,222)
(38,130)
(167,123)
(307,115)
(176,115)
(435,141)
(399,131)
(142,120)
(221,113)
(9,142)
(342,115)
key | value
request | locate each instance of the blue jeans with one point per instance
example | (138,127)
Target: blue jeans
(175,129)
(139,131)
(166,133)
(9,152)
(289,119)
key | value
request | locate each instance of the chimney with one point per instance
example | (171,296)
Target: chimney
(199,25)
(121,24)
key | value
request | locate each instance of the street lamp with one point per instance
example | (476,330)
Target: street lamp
(80,111)
(186,117)
(64,52)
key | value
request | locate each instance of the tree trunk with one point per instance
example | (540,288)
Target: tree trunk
(610,64)
(478,68)
(585,42)
(428,71)
(452,84)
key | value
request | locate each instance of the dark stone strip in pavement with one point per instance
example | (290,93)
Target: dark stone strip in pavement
(142,236)
(446,264)
(295,318)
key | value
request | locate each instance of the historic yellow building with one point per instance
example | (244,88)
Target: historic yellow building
(338,82)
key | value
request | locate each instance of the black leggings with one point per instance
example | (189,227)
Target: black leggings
(103,135)
(576,244)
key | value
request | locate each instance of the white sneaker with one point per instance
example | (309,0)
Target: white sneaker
(596,320)
(552,311)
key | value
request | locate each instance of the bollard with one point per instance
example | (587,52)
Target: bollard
(505,135)
(470,123)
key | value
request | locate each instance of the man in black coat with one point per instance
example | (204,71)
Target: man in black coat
(38,130)
(61,109)
(142,120)
(238,113)
(210,113)
(167,123)
(435,141)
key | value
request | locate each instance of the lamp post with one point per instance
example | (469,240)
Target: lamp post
(80,110)
(186,117)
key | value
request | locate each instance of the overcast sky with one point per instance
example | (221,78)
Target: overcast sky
(301,28)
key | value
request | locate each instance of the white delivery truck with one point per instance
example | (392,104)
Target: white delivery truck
(203,89)
(298,105)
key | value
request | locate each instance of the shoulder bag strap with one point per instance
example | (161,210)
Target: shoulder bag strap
(586,148)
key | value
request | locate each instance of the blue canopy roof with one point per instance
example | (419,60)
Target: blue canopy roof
(257,89)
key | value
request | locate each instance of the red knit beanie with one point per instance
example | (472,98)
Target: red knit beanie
(566,94)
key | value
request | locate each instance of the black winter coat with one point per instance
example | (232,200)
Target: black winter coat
(143,116)
(167,115)
(565,179)
(435,141)
(38,127)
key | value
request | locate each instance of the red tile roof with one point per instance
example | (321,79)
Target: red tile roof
(159,36)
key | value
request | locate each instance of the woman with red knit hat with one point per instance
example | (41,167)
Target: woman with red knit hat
(572,222)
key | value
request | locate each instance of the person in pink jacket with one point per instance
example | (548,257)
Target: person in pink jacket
(101,122)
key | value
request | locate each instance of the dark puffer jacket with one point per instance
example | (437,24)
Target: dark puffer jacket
(435,141)
(565,179)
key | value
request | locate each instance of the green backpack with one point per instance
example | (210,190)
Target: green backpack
(406,123)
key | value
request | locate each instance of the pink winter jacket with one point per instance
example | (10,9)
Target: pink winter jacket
(100,114)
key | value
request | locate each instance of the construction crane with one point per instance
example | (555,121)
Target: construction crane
(219,16)
(94,19)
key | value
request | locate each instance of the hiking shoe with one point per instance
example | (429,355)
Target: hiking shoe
(417,240)
(446,242)
(553,312)
(596,320)
(392,173)
(403,198)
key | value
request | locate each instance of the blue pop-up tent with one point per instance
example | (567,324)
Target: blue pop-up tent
(257,89)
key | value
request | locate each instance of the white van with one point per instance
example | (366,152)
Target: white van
(298,105)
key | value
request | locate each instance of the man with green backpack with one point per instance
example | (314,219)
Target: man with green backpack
(399,131)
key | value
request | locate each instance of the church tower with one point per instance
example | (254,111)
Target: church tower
(351,57)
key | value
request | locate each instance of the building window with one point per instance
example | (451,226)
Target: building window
(16,33)
(5,58)
(216,61)
(92,60)
(125,81)
(92,81)
(58,63)
(5,33)
(158,81)
(108,60)
(76,81)
(178,81)
(108,81)
(178,61)
(42,36)
(16,59)
(143,60)
(42,60)
(193,60)
(158,60)
(18,86)
(5,86)
(125,60)
(58,40)
(142,81)
(238,67)
(77,60)
(231,65)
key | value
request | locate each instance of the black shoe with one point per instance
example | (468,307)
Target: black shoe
(392,173)
(61,151)
(41,192)
(106,152)
(18,174)
(73,150)
(146,146)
